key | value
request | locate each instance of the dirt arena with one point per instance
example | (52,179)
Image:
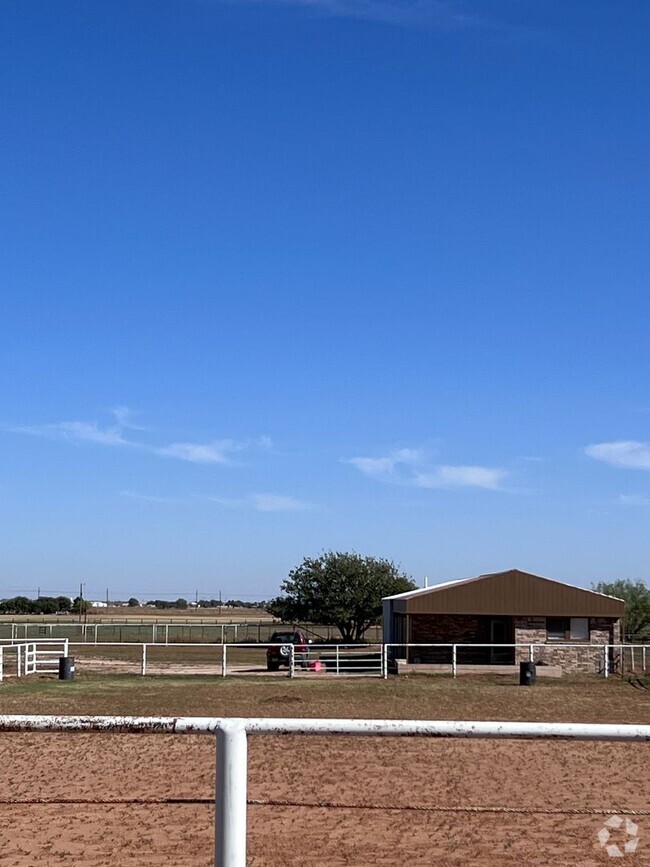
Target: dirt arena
(323,802)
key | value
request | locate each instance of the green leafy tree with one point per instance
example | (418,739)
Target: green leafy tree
(339,589)
(636,595)
(79,605)
(45,605)
(133,602)
(181,603)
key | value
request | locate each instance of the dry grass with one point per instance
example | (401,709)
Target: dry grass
(578,699)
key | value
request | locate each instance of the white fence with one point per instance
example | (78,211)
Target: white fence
(232,748)
(372,660)
(192,630)
(377,660)
(232,659)
(604,659)
(32,657)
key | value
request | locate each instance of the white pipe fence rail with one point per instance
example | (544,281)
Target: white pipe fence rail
(379,659)
(604,659)
(232,748)
(194,630)
(33,657)
(376,660)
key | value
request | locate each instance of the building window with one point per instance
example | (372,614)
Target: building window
(567,628)
(557,627)
(579,629)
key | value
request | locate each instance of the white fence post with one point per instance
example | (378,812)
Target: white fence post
(96,625)
(384,661)
(643,658)
(224,660)
(144,660)
(338,655)
(453,660)
(292,660)
(606,661)
(230,796)
(2,663)
(153,633)
(531,653)
(19,648)
(166,634)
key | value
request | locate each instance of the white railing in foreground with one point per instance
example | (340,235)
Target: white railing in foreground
(232,748)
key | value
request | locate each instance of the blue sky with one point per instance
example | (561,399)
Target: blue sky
(279,277)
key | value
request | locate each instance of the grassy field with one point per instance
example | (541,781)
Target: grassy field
(586,699)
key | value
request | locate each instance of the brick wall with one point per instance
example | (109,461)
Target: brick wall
(602,630)
(444,629)
(528,630)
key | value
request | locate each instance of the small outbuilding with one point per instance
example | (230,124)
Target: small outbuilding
(504,608)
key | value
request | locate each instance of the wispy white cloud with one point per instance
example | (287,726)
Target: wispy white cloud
(264,503)
(633,500)
(77,431)
(413,467)
(390,467)
(404,13)
(147,498)
(124,418)
(278,503)
(627,454)
(215,452)
(200,453)
(445,476)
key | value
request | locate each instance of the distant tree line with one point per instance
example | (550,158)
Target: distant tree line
(42,605)
(203,603)
(166,603)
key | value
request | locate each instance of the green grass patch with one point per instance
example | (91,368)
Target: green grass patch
(587,699)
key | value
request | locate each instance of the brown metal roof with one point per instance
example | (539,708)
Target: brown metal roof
(512,592)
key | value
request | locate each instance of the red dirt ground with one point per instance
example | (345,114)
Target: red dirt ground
(387,774)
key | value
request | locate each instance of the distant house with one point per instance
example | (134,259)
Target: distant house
(504,608)
(98,604)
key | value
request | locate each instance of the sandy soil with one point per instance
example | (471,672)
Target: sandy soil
(394,801)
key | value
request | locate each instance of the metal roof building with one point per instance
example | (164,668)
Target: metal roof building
(510,607)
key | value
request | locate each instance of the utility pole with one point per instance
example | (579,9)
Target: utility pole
(81,600)
(107,597)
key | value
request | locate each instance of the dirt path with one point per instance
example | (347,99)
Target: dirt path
(401,783)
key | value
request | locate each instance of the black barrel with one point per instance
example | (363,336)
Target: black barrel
(527,673)
(66,668)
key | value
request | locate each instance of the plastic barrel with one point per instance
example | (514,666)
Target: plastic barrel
(527,673)
(66,668)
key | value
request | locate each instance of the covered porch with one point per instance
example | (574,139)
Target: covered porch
(478,637)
